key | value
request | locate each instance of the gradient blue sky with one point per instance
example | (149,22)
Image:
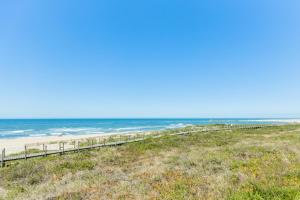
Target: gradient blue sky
(135,58)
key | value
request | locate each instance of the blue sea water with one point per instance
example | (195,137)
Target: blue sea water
(14,128)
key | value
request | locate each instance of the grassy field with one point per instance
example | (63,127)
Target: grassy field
(236,165)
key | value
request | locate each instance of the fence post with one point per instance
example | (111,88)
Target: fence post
(63,148)
(78,145)
(59,146)
(45,149)
(25,152)
(3,158)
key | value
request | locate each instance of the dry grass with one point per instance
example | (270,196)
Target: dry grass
(240,164)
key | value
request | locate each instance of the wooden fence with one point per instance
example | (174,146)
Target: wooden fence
(66,146)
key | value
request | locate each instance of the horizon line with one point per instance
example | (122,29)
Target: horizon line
(138,118)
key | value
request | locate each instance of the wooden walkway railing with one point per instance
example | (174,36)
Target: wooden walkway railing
(113,140)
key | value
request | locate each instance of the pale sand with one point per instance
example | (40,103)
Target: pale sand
(17,145)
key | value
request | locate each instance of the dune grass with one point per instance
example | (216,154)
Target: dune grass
(238,164)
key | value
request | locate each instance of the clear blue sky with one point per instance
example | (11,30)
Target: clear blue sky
(135,58)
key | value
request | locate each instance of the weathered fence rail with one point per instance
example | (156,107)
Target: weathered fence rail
(107,141)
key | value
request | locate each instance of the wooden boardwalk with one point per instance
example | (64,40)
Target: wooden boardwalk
(114,140)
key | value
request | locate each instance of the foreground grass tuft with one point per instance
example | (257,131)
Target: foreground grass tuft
(258,192)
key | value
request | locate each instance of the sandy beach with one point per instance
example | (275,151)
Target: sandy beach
(16,145)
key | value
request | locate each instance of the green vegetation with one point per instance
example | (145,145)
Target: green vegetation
(235,165)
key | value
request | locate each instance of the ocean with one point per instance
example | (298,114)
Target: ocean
(16,128)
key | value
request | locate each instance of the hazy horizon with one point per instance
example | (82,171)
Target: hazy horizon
(143,118)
